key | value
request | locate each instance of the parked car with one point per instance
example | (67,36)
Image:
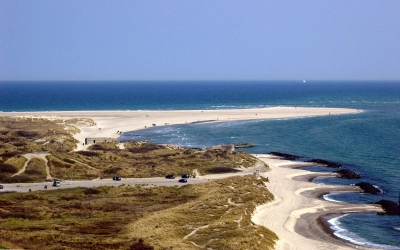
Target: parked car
(183,180)
(185,176)
(1,187)
(56,184)
(116,178)
(170,176)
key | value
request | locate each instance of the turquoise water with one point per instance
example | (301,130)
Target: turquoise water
(367,142)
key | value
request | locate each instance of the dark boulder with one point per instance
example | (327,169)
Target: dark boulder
(368,188)
(390,207)
(347,174)
(330,164)
(285,156)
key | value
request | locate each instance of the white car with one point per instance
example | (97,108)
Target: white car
(56,184)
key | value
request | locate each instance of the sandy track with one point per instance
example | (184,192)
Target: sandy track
(29,157)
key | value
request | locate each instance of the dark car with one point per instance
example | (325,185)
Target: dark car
(170,176)
(1,187)
(185,176)
(183,180)
(116,178)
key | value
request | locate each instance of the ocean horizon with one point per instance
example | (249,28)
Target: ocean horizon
(367,142)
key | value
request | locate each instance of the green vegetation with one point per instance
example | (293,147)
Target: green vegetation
(19,136)
(213,215)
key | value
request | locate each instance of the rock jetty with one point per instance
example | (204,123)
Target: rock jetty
(285,156)
(390,207)
(368,188)
(330,164)
(347,174)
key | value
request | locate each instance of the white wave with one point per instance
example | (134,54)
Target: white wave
(352,237)
(328,198)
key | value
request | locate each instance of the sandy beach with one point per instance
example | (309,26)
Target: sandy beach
(296,213)
(108,123)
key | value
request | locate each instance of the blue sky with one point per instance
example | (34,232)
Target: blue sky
(199,40)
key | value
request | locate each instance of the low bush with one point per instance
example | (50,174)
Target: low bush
(10,154)
(33,172)
(69,161)
(218,170)
(112,170)
(88,153)
(19,144)
(145,148)
(92,191)
(7,168)
(28,134)
(15,179)
(97,147)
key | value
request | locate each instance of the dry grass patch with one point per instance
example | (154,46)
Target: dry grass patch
(65,169)
(210,215)
(219,219)
(19,136)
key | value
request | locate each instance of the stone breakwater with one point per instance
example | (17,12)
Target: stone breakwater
(389,207)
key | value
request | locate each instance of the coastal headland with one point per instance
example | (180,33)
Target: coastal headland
(296,214)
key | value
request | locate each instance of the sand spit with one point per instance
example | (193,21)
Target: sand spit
(111,123)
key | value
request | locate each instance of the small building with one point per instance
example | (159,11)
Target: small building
(93,140)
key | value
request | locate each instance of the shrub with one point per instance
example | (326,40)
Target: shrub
(112,170)
(91,191)
(7,168)
(18,178)
(28,134)
(218,170)
(33,172)
(69,161)
(10,154)
(97,147)
(145,148)
(19,215)
(88,153)
(19,144)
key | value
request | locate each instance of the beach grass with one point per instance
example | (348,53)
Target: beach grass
(20,136)
(214,215)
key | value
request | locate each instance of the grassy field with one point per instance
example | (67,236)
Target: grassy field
(214,215)
(136,160)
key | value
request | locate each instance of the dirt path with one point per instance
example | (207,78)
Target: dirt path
(39,155)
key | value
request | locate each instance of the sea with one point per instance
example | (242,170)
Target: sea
(367,142)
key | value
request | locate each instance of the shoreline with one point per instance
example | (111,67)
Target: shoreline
(299,215)
(111,123)
(291,213)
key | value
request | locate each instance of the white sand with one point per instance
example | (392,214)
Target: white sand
(283,215)
(110,122)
